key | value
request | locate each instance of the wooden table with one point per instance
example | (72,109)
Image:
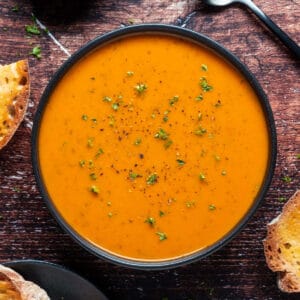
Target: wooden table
(28,231)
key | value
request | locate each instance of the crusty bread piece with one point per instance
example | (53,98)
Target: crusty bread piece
(282,246)
(14,94)
(14,287)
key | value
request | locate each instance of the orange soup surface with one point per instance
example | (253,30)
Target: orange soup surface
(153,147)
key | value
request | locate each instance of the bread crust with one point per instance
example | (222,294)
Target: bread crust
(282,246)
(14,94)
(17,288)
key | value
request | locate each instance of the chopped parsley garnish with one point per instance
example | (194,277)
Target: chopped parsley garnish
(150,221)
(36,51)
(168,143)
(93,176)
(161,134)
(152,179)
(286,179)
(200,131)
(115,106)
(162,236)
(141,88)
(91,164)
(180,162)
(204,67)
(217,157)
(99,152)
(90,142)
(282,199)
(223,173)
(15,8)
(161,213)
(107,99)
(166,117)
(32,29)
(111,121)
(199,116)
(211,207)
(199,97)
(82,163)
(204,85)
(129,73)
(137,142)
(298,156)
(94,189)
(173,100)
(190,204)
(110,214)
(133,176)
(84,117)
(202,177)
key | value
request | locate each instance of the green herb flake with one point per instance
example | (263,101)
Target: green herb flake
(36,51)
(93,176)
(200,131)
(82,163)
(84,117)
(137,142)
(111,121)
(99,152)
(298,156)
(180,162)
(134,176)
(202,176)
(115,106)
(108,203)
(90,142)
(173,100)
(32,29)
(150,221)
(199,97)
(282,199)
(204,67)
(204,85)
(161,134)
(152,179)
(166,117)
(168,143)
(161,213)
(141,88)
(190,204)
(15,8)
(211,207)
(162,236)
(106,99)
(223,173)
(286,179)
(94,189)
(129,73)
(110,214)
(91,164)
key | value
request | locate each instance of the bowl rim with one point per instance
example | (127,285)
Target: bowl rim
(198,38)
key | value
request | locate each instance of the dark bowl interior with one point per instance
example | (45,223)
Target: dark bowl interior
(196,38)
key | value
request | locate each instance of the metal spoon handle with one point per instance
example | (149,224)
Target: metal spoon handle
(285,39)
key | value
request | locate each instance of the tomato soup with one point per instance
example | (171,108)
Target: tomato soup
(153,147)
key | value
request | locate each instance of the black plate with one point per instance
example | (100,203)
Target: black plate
(57,281)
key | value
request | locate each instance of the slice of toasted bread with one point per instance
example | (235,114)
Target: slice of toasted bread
(14,94)
(14,287)
(282,245)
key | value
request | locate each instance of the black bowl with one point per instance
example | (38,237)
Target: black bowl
(196,38)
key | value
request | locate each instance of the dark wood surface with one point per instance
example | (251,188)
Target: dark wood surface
(28,231)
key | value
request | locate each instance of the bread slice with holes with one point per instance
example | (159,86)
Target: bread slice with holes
(14,94)
(282,246)
(14,287)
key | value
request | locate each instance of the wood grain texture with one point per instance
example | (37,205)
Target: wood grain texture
(28,231)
